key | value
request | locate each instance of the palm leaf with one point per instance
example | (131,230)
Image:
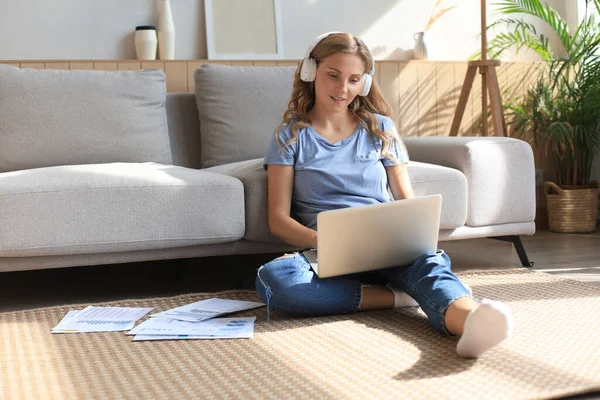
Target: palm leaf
(539,10)
(509,22)
(519,39)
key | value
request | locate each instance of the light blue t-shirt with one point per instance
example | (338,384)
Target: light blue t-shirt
(329,176)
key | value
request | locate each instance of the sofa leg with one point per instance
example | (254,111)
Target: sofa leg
(516,241)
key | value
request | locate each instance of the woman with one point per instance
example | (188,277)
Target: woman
(337,148)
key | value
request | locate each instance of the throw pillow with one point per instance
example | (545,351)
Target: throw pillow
(55,117)
(239,109)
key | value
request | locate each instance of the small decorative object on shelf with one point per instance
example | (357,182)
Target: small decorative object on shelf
(145,42)
(423,40)
(420,46)
(166,32)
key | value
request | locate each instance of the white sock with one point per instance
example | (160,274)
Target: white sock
(402,299)
(468,288)
(485,327)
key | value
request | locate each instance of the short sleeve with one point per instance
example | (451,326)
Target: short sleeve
(280,153)
(397,149)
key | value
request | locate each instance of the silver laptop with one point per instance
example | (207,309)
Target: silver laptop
(366,238)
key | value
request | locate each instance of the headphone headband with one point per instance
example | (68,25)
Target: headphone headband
(323,36)
(316,42)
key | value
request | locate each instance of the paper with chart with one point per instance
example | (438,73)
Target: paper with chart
(100,319)
(216,328)
(206,309)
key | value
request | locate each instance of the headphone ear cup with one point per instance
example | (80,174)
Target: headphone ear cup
(366,87)
(308,72)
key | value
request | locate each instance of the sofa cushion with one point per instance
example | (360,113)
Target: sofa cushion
(52,117)
(101,208)
(430,179)
(182,117)
(426,178)
(254,177)
(239,109)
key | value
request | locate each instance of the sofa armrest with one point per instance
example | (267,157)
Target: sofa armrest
(500,174)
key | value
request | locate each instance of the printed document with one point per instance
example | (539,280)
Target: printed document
(100,319)
(206,309)
(69,314)
(216,328)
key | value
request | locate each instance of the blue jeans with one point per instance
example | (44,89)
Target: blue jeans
(288,284)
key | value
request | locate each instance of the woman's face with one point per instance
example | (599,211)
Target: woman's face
(338,81)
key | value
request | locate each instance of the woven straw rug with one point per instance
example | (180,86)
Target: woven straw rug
(555,351)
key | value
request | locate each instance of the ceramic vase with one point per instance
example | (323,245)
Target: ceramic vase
(166,32)
(145,42)
(420,46)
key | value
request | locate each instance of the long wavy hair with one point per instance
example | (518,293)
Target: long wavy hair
(363,108)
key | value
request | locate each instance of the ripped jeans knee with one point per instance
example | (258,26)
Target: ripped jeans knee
(268,276)
(288,284)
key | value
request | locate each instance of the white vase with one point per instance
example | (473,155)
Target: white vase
(420,46)
(145,42)
(166,32)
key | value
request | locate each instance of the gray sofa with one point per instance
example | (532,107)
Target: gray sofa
(105,167)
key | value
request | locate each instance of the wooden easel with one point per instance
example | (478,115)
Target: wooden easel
(489,82)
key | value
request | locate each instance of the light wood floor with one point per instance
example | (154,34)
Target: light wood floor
(573,256)
(570,255)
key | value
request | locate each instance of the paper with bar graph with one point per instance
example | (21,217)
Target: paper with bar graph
(100,319)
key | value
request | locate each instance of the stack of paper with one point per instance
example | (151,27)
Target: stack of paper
(197,321)
(100,319)
(192,321)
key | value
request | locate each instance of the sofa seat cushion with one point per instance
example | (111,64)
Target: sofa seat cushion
(54,117)
(427,179)
(98,208)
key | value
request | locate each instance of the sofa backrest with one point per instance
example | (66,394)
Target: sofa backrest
(239,108)
(184,129)
(54,117)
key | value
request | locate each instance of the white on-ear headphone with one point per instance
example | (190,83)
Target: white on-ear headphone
(308,72)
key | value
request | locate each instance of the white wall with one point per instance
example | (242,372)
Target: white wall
(103,29)
(92,29)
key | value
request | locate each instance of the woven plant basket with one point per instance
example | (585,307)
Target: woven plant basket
(572,209)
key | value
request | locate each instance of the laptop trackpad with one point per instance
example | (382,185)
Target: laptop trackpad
(311,256)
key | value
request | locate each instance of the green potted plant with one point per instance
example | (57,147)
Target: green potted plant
(560,113)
